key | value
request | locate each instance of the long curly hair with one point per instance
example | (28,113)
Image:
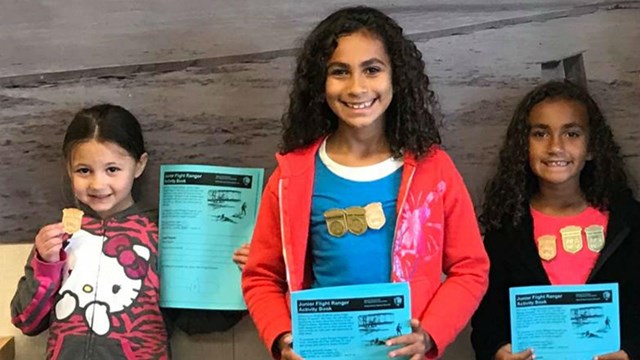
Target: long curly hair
(409,121)
(602,180)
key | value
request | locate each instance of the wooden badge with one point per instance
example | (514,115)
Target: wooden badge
(595,237)
(356,221)
(547,249)
(336,222)
(571,239)
(72,220)
(375,216)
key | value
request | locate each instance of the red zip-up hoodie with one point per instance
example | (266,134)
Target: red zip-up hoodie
(436,233)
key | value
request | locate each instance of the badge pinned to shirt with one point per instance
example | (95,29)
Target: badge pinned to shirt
(375,216)
(356,222)
(356,219)
(571,239)
(595,237)
(547,249)
(336,220)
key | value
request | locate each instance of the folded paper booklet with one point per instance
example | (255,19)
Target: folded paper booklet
(574,322)
(206,212)
(349,322)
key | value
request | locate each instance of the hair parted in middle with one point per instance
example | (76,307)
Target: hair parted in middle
(105,123)
(602,180)
(410,124)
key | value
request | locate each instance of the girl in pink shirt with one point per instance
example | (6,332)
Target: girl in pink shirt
(558,210)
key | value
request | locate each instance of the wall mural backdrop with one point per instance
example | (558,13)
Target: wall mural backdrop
(209,83)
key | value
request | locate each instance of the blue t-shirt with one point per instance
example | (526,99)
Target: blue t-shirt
(352,259)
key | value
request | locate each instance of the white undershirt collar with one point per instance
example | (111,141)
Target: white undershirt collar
(359,173)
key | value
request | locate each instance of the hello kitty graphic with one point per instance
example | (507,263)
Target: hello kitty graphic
(101,280)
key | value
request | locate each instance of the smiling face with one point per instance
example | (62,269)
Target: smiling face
(102,175)
(359,87)
(558,142)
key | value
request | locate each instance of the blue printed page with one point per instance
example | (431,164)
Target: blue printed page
(206,212)
(349,322)
(573,322)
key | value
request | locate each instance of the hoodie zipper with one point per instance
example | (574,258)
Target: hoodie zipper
(282,240)
(90,346)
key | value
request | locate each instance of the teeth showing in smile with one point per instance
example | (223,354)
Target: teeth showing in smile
(363,105)
(557,163)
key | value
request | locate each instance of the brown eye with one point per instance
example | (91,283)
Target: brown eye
(538,133)
(372,70)
(338,72)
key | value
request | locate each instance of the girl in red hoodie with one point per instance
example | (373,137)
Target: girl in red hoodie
(362,192)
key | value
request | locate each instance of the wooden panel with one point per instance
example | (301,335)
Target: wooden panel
(209,346)
(7,348)
(247,344)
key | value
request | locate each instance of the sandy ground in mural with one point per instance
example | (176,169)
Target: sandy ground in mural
(230,115)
